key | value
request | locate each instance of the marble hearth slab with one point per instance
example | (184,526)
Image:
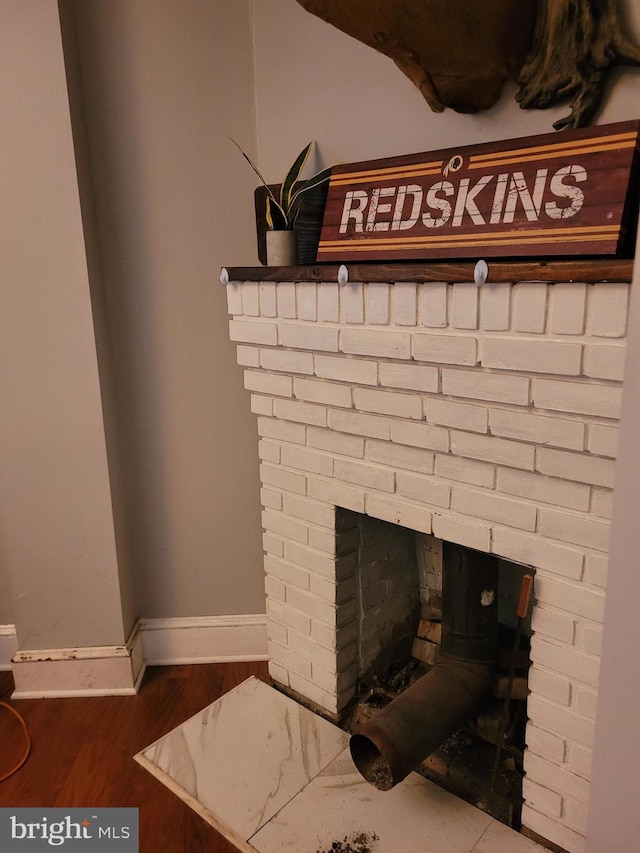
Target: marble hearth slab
(244,757)
(272,777)
(339,808)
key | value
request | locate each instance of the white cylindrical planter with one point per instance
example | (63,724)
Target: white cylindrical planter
(282,249)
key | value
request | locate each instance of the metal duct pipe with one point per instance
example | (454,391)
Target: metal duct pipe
(418,721)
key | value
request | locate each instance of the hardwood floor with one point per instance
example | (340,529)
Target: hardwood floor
(82,751)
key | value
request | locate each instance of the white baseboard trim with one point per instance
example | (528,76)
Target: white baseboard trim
(89,671)
(8,645)
(118,670)
(204,639)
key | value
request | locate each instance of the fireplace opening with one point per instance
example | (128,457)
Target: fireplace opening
(461,725)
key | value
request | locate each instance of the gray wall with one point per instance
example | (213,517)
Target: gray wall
(164,83)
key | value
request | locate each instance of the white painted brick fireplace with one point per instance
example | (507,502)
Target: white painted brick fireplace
(483,415)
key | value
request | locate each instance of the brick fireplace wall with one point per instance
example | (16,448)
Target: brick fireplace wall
(484,415)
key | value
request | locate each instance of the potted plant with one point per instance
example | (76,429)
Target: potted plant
(282,211)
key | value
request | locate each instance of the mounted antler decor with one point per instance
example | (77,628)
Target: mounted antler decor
(460,54)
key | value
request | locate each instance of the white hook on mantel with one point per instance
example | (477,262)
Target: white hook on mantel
(480,272)
(224,276)
(343,275)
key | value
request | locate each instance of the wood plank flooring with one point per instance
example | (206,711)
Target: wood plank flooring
(82,751)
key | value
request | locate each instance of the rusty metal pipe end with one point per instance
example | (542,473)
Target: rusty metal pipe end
(375,758)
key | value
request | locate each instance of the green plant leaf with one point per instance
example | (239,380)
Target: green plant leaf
(292,176)
(256,170)
(311,184)
(277,219)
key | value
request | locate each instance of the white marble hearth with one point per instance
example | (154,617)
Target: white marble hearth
(272,776)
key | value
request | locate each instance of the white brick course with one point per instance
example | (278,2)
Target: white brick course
(420,435)
(289,481)
(322,392)
(371,426)
(579,397)
(273,428)
(495,305)
(348,497)
(347,445)
(432,304)
(607,310)
(445,349)
(564,660)
(373,342)
(539,797)
(261,405)
(308,337)
(537,551)
(363,474)
(234,298)
(352,303)
(456,529)
(250,299)
(270,499)
(377,304)
(529,307)
(268,306)
(558,431)
(603,440)
(545,489)
(549,685)
(269,451)
(286,299)
(488,448)
(567,305)
(492,507)
(306,413)
(465,470)
(285,360)
(545,744)
(317,513)
(388,453)
(290,528)
(344,369)
(464,306)
(388,403)
(559,720)
(248,356)
(307,460)
(553,624)
(404,304)
(595,570)
(253,332)
(288,573)
(491,455)
(549,828)
(404,513)
(604,362)
(578,529)
(426,489)
(328,302)
(494,387)
(556,778)
(575,598)
(409,376)
(461,415)
(575,466)
(537,356)
(306,299)
(268,383)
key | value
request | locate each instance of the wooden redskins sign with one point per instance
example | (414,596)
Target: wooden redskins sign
(549,195)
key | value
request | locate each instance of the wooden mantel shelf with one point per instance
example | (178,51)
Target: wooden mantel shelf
(584,271)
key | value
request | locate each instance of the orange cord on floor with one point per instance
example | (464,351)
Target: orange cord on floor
(27,739)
